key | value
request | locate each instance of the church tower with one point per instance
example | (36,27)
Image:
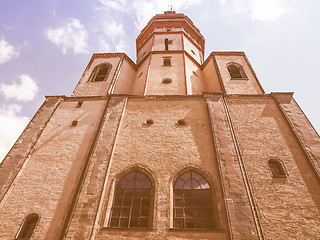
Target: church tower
(170,147)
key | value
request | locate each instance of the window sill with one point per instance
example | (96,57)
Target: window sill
(198,230)
(127,229)
(279,176)
(246,79)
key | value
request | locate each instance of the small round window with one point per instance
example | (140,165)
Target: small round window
(166,80)
(181,122)
(148,122)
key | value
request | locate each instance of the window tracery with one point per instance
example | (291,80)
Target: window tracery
(132,202)
(193,206)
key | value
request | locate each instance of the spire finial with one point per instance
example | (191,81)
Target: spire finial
(170,11)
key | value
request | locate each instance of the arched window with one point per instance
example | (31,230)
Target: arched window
(132,202)
(100,72)
(193,206)
(236,71)
(276,168)
(28,226)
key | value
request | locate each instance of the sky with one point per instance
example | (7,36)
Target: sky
(46,45)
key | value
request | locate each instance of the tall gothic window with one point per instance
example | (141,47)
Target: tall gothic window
(193,206)
(100,72)
(236,71)
(276,168)
(28,226)
(132,202)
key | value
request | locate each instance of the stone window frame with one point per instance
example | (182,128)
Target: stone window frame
(167,62)
(215,200)
(282,169)
(242,73)
(96,70)
(22,229)
(110,201)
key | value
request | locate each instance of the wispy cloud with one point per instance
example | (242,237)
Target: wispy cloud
(7,51)
(222,2)
(267,10)
(104,45)
(8,27)
(143,10)
(113,30)
(119,5)
(146,9)
(121,46)
(12,124)
(115,33)
(140,11)
(72,35)
(261,10)
(23,91)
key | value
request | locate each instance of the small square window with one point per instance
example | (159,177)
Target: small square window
(167,62)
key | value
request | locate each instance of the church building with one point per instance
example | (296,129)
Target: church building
(172,146)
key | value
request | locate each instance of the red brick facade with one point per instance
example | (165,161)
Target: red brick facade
(168,115)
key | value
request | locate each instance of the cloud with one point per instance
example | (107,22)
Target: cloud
(222,2)
(104,45)
(146,9)
(24,91)
(72,35)
(141,10)
(7,51)
(236,7)
(114,31)
(119,5)
(267,10)
(8,27)
(121,46)
(12,124)
(261,10)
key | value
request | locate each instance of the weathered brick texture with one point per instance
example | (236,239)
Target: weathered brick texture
(14,160)
(86,208)
(236,197)
(66,164)
(288,207)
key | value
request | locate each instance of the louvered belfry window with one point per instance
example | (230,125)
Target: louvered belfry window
(100,73)
(132,202)
(193,206)
(236,71)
